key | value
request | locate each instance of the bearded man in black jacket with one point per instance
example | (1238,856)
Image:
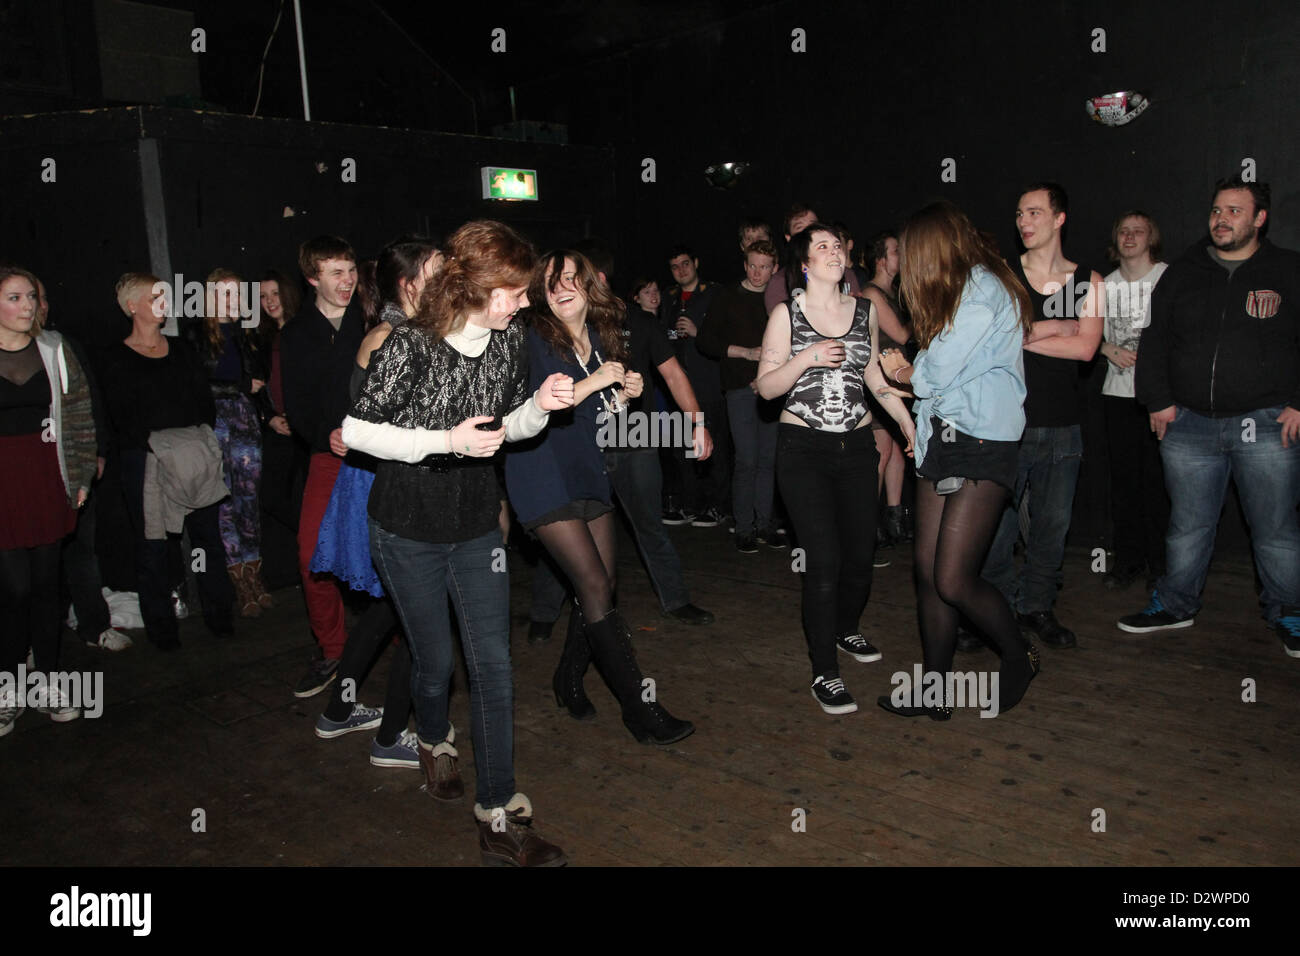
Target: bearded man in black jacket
(1219,374)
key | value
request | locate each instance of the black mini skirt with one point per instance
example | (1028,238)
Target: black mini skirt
(954,454)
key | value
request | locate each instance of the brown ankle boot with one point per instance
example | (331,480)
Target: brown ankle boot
(253,575)
(441,775)
(244,598)
(506,836)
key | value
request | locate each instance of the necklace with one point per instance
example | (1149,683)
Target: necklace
(612,408)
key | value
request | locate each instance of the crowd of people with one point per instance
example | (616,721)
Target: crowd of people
(409,410)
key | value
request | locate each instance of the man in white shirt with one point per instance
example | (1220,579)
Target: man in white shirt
(1139,506)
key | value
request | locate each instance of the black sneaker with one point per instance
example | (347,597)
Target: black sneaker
(1154,618)
(320,674)
(857,647)
(746,544)
(539,632)
(834,699)
(708,518)
(690,614)
(1044,626)
(880,559)
(676,516)
(1287,627)
(773,538)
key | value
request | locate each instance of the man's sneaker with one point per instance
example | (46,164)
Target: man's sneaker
(404,753)
(830,693)
(1287,627)
(111,640)
(676,516)
(690,614)
(746,544)
(1044,626)
(857,647)
(58,707)
(320,673)
(361,718)
(9,712)
(880,559)
(708,518)
(773,538)
(1154,618)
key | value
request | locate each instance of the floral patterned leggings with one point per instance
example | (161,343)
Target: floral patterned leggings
(240,436)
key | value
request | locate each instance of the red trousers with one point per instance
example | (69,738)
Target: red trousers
(321,591)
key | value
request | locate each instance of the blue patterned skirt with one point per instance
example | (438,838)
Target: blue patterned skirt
(343,545)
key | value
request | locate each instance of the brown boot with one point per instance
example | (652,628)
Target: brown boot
(506,836)
(442,778)
(253,575)
(244,598)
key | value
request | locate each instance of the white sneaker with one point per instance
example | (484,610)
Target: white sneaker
(179,607)
(111,640)
(9,712)
(59,708)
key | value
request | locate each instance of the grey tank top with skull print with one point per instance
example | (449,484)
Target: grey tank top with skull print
(831,399)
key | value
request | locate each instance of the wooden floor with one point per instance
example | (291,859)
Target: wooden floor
(1151,730)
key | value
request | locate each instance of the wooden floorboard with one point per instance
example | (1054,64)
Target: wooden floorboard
(1152,730)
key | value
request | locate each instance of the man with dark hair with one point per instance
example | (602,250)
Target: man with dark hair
(1220,377)
(1067,327)
(797,219)
(318,349)
(705,485)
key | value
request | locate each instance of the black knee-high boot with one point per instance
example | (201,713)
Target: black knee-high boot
(611,645)
(567,682)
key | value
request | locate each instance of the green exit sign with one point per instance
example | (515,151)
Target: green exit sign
(503,182)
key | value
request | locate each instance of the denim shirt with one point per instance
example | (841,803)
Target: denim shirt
(973,374)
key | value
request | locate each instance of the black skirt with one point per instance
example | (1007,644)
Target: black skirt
(954,454)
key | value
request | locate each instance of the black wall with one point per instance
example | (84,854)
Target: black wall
(226,181)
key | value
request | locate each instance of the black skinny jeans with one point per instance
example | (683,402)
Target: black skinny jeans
(29,607)
(828,484)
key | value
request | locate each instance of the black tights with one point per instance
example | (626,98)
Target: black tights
(372,632)
(585,552)
(29,606)
(953,534)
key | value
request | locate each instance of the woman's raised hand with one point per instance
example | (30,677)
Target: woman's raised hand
(555,393)
(468,439)
(611,373)
(825,353)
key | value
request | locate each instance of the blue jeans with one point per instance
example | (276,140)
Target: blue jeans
(1200,454)
(638,482)
(1049,465)
(419,576)
(753,484)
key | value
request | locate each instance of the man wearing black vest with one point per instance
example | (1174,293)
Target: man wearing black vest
(1067,329)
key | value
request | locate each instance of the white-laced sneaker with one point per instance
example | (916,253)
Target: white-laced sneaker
(111,640)
(58,707)
(833,697)
(9,712)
